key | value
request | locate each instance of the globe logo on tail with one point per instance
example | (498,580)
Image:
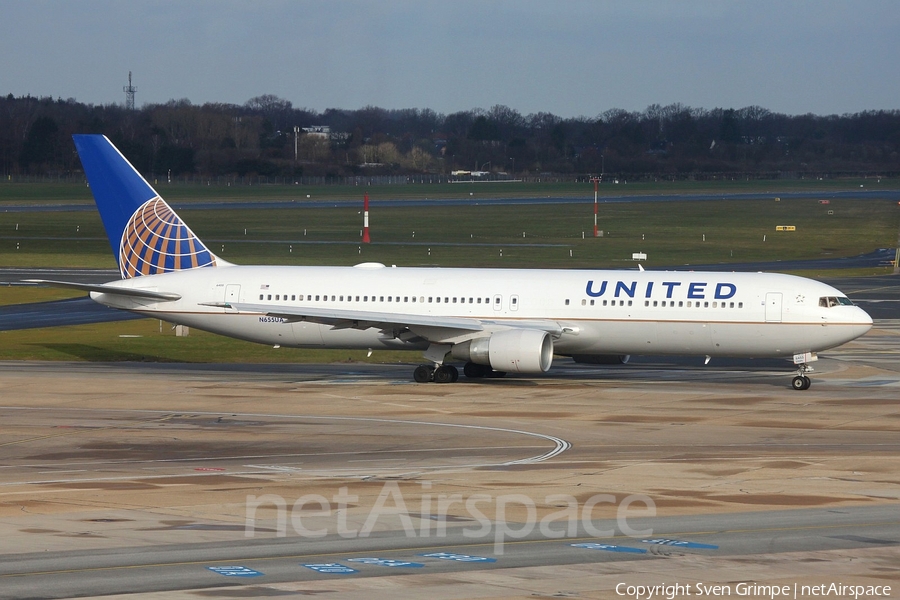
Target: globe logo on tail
(156,240)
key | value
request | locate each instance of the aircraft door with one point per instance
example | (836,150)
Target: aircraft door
(232,295)
(773,307)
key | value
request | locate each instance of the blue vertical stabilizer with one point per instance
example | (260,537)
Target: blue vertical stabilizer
(145,234)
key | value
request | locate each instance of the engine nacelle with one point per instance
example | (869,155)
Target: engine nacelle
(515,350)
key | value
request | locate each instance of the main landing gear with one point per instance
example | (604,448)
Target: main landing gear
(440,374)
(450,374)
(801,381)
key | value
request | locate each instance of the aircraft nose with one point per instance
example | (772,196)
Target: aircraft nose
(863,321)
(863,317)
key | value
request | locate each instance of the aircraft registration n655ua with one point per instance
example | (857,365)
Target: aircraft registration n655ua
(493,320)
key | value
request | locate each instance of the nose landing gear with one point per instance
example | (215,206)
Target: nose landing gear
(801,381)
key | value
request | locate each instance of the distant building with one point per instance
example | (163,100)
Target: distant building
(324,131)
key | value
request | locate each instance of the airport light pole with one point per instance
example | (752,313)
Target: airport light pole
(596,181)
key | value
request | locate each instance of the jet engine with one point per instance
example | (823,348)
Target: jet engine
(515,350)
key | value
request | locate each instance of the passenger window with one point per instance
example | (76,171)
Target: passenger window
(740,305)
(655,303)
(270,297)
(567,301)
(260,296)
(592,302)
(629,303)
(584,302)
(714,305)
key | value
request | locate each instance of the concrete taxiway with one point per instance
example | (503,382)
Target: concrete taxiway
(350,481)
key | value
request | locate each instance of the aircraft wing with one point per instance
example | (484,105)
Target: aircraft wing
(431,328)
(358,319)
(109,289)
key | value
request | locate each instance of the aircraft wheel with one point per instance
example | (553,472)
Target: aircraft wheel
(423,374)
(445,374)
(800,383)
(807,382)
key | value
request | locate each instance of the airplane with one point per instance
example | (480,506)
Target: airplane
(494,320)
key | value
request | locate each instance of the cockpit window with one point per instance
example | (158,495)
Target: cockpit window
(829,301)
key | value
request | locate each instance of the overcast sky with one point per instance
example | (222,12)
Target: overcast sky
(571,58)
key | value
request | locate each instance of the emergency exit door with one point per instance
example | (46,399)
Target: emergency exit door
(773,307)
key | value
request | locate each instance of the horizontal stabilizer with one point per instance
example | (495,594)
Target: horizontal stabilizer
(109,289)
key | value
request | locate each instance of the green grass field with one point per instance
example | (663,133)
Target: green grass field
(145,341)
(548,236)
(671,233)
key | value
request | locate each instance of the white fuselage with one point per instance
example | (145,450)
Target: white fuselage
(598,312)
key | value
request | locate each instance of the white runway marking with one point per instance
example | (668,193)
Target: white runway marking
(559,445)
